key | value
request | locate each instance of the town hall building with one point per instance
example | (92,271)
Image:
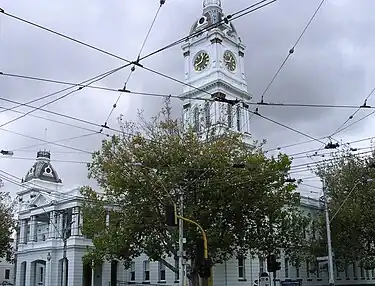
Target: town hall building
(50,244)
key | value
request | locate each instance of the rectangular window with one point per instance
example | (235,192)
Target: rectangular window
(161,271)
(196,119)
(346,271)
(317,270)
(362,272)
(132,271)
(177,274)
(7,274)
(286,262)
(41,274)
(230,116)
(207,110)
(238,112)
(354,270)
(307,269)
(261,265)
(297,271)
(146,270)
(337,271)
(241,268)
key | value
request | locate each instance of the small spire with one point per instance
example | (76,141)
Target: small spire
(211,3)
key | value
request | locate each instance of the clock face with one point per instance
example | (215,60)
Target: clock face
(230,61)
(201,61)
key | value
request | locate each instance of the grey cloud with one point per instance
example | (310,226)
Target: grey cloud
(332,64)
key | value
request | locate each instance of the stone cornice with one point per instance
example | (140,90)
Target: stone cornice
(218,83)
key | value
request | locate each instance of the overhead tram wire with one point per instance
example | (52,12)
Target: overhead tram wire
(291,51)
(97,78)
(273,104)
(80,86)
(124,89)
(186,38)
(54,120)
(57,141)
(285,126)
(45,141)
(33,159)
(364,105)
(238,14)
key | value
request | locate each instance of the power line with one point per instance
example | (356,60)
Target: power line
(137,62)
(133,67)
(49,142)
(97,78)
(285,126)
(265,104)
(291,51)
(80,85)
(33,159)
(58,141)
(52,120)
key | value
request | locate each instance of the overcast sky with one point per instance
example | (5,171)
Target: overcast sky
(332,64)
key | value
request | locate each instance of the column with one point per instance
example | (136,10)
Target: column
(75,221)
(48,276)
(75,268)
(30,274)
(80,222)
(52,226)
(23,232)
(60,225)
(33,224)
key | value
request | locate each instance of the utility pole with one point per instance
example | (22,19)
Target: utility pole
(181,241)
(329,241)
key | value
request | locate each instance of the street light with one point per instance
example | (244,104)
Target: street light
(328,225)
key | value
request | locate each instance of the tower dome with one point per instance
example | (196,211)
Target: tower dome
(213,14)
(42,169)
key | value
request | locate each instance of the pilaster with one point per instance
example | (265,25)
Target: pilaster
(33,224)
(52,226)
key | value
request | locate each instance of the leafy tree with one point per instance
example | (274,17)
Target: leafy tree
(351,203)
(7,226)
(241,198)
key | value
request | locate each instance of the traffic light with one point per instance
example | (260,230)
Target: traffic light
(199,255)
(272,264)
(204,270)
(171,215)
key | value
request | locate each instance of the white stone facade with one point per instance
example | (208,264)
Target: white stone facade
(48,216)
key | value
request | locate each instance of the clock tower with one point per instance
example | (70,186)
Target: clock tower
(214,68)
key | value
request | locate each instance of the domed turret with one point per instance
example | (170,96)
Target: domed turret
(213,14)
(42,169)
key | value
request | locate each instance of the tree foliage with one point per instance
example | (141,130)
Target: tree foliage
(351,203)
(249,208)
(7,226)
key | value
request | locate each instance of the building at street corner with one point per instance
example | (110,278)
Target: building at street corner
(49,233)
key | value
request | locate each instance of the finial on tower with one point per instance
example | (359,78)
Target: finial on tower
(210,3)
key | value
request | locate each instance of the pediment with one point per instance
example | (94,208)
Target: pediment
(39,200)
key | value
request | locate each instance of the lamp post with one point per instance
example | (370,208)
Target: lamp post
(328,224)
(49,269)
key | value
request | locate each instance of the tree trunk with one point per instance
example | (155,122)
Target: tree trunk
(194,278)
